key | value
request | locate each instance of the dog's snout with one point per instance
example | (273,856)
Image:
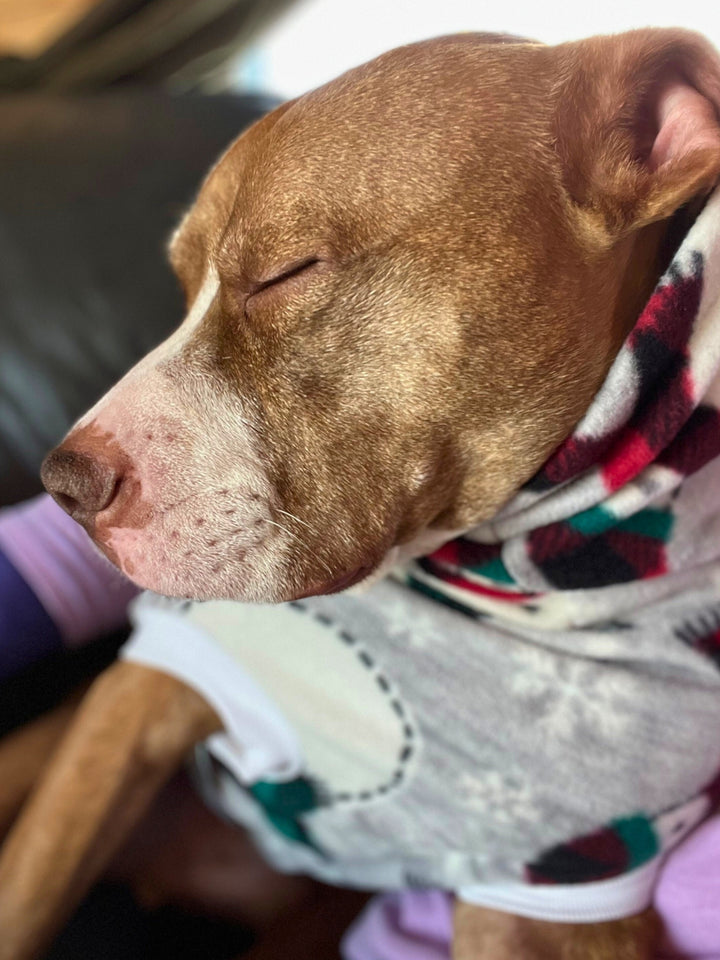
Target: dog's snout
(82,485)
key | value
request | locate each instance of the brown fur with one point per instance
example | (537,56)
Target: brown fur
(482,934)
(484,224)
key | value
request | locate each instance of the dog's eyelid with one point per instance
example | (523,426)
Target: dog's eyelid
(286,272)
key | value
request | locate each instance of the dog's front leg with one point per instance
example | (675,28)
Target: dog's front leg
(482,934)
(129,735)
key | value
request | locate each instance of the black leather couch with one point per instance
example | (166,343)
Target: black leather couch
(90,189)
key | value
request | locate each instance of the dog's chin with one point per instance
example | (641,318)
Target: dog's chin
(244,588)
(263,581)
(190,576)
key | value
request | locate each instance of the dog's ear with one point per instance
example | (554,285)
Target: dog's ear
(636,125)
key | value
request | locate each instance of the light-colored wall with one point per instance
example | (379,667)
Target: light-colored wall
(319,39)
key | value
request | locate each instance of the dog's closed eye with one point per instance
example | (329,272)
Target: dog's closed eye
(285,275)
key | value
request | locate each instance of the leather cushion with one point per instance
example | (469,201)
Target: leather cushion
(90,189)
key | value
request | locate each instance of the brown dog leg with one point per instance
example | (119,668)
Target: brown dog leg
(482,934)
(129,735)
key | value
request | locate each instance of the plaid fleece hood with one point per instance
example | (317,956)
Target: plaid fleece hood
(632,496)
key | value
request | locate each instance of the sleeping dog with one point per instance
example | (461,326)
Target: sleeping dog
(452,316)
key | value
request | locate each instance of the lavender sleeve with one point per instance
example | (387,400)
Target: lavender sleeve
(688,897)
(26,631)
(405,925)
(79,594)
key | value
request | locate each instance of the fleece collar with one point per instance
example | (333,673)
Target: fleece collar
(600,511)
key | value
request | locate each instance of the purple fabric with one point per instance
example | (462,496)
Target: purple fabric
(414,925)
(83,594)
(688,897)
(26,631)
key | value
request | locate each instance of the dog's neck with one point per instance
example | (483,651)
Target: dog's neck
(653,423)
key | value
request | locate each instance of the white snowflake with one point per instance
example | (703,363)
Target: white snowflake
(570,692)
(510,801)
(409,622)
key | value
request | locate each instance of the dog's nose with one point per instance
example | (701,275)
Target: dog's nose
(81,484)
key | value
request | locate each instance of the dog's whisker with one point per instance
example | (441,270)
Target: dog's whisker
(299,540)
(296,519)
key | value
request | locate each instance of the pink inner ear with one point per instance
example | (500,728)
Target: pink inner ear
(688,123)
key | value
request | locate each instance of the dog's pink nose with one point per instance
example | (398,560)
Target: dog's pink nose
(83,485)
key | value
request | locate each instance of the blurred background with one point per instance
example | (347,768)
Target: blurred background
(284,47)
(317,39)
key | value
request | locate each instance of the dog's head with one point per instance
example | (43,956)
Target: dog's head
(403,290)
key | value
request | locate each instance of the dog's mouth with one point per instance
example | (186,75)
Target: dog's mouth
(344,582)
